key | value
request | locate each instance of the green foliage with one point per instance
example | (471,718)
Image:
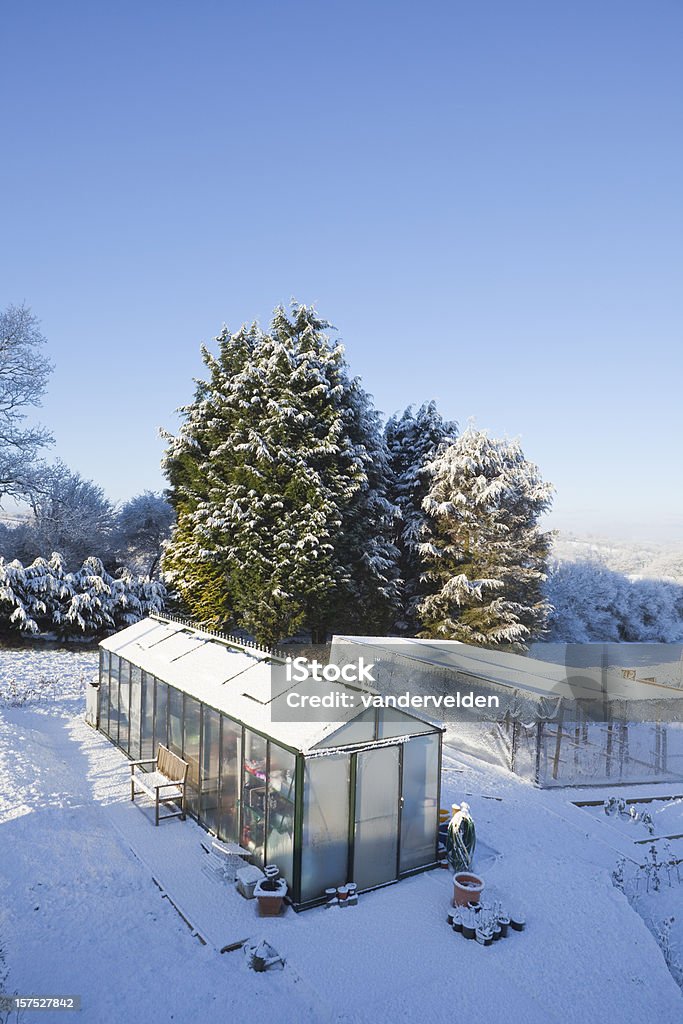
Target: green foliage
(485,554)
(277,481)
(413,441)
(42,598)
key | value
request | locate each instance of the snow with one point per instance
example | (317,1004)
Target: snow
(80,913)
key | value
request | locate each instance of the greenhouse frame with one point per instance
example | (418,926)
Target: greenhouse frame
(329,802)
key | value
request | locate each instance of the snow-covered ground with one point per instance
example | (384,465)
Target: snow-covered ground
(81,915)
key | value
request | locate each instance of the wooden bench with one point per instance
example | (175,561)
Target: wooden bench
(169,776)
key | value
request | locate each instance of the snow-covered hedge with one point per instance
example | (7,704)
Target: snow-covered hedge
(44,598)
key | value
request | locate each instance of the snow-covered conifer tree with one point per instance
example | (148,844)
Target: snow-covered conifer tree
(281,517)
(413,442)
(18,607)
(44,598)
(485,554)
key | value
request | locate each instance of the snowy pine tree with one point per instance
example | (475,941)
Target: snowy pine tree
(485,554)
(275,478)
(18,606)
(44,598)
(413,442)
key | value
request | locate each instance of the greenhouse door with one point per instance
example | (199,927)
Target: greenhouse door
(375,837)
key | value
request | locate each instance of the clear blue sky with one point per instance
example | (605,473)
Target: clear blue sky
(485,198)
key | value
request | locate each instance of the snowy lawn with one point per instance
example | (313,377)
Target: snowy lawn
(80,914)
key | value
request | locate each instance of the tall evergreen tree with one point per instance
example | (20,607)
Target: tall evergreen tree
(413,441)
(275,478)
(485,553)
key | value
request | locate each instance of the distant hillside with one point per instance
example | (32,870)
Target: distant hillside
(644,561)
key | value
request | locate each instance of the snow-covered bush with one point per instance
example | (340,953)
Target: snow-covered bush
(43,598)
(594,603)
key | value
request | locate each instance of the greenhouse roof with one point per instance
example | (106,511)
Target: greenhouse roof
(227,675)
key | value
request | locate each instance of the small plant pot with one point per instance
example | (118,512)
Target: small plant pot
(467,888)
(270,900)
(331,893)
(343,892)
(468,931)
(517,923)
(497,933)
(483,938)
(503,924)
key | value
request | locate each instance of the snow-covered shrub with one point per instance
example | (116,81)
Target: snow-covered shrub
(652,888)
(15,693)
(43,598)
(592,602)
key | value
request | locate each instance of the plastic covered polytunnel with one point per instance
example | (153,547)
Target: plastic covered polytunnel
(556,715)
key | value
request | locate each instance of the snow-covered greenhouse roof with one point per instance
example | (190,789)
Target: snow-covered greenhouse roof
(579,671)
(231,677)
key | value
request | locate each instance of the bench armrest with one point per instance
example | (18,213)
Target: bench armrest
(147,760)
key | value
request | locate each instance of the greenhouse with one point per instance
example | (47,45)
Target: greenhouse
(566,715)
(329,802)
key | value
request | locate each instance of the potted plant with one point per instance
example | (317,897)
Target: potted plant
(270,892)
(467,888)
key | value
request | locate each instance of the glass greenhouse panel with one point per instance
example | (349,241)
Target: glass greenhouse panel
(419,810)
(211,758)
(114,699)
(147,716)
(175,721)
(375,848)
(230,781)
(324,859)
(160,716)
(360,730)
(254,796)
(281,785)
(191,752)
(135,701)
(393,722)
(104,703)
(124,703)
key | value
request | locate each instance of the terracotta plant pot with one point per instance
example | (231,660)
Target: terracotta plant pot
(467,888)
(270,899)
